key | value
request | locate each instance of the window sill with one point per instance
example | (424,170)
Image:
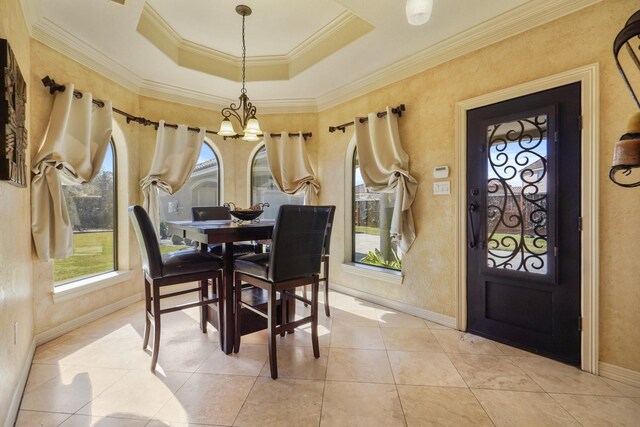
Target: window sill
(90,284)
(372,272)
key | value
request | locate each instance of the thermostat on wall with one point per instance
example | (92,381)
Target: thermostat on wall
(441,172)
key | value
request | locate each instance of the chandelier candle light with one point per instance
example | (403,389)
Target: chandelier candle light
(245,111)
(419,11)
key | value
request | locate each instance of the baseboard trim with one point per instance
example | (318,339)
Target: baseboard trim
(69,326)
(623,375)
(14,407)
(441,319)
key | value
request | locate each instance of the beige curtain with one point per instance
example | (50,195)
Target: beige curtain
(72,152)
(290,166)
(175,156)
(384,166)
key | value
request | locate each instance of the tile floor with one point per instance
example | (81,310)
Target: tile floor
(377,367)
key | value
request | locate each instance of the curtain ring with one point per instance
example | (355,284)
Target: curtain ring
(397,174)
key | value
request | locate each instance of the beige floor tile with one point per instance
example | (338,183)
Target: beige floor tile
(185,356)
(556,377)
(495,372)
(626,389)
(410,340)
(71,390)
(284,402)
(600,410)
(392,319)
(299,362)
(362,317)
(418,368)
(434,325)
(139,394)
(512,351)
(64,347)
(111,352)
(156,423)
(207,398)
(361,404)
(357,337)
(179,326)
(40,374)
(460,342)
(248,361)
(359,365)
(636,399)
(302,337)
(441,406)
(523,409)
(40,419)
(112,326)
(88,421)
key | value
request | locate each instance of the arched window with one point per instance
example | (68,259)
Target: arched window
(201,189)
(371,217)
(92,212)
(264,189)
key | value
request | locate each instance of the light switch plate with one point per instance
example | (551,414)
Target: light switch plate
(441,188)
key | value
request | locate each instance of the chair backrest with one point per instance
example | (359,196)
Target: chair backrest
(297,241)
(147,240)
(327,236)
(207,213)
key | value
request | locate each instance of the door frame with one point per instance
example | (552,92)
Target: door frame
(588,76)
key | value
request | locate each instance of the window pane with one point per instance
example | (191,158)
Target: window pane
(201,189)
(264,189)
(371,222)
(91,208)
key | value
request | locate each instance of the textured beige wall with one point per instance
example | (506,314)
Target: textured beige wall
(16,291)
(428,134)
(46,61)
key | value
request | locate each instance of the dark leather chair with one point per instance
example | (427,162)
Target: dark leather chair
(160,270)
(325,263)
(209,213)
(294,261)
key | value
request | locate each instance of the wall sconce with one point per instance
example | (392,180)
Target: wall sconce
(626,154)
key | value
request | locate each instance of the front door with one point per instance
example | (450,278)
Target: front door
(523,193)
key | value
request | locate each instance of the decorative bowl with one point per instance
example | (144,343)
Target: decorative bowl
(250,214)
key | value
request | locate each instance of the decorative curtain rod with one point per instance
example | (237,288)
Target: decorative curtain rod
(396,110)
(55,87)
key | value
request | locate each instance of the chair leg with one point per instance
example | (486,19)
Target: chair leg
(156,327)
(325,266)
(304,294)
(147,313)
(314,317)
(204,295)
(221,321)
(237,295)
(284,310)
(271,309)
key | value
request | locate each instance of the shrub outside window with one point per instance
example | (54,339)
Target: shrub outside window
(372,214)
(201,189)
(264,189)
(92,212)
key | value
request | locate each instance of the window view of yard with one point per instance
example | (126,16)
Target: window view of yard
(371,222)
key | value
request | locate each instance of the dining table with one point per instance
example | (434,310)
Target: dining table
(225,232)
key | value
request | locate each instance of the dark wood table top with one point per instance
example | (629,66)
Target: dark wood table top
(221,231)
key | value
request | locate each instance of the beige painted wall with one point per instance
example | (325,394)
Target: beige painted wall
(16,291)
(428,134)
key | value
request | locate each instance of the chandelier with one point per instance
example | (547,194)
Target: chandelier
(418,11)
(245,111)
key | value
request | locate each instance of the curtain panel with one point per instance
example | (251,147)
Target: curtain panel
(384,166)
(174,158)
(290,166)
(72,152)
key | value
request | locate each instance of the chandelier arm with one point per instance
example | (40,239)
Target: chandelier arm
(231,111)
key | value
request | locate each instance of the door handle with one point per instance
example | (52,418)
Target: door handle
(473,206)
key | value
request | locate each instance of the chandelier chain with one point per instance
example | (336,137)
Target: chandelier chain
(244,55)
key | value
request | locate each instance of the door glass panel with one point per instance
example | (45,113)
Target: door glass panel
(517,202)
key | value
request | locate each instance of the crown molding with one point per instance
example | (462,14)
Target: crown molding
(32,11)
(508,24)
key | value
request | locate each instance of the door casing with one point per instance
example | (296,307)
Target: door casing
(588,77)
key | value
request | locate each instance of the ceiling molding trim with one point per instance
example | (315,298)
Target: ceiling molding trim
(32,11)
(67,44)
(338,33)
(509,24)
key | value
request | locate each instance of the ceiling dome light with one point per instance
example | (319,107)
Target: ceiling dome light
(419,11)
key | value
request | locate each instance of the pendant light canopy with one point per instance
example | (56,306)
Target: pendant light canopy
(419,11)
(245,111)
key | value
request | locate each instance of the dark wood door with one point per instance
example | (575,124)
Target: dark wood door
(523,193)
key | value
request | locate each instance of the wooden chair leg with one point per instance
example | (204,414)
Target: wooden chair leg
(325,266)
(156,327)
(221,321)
(284,310)
(314,317)
(147,313)
(304,294)
(237,295)
(272,321)
(204,295)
